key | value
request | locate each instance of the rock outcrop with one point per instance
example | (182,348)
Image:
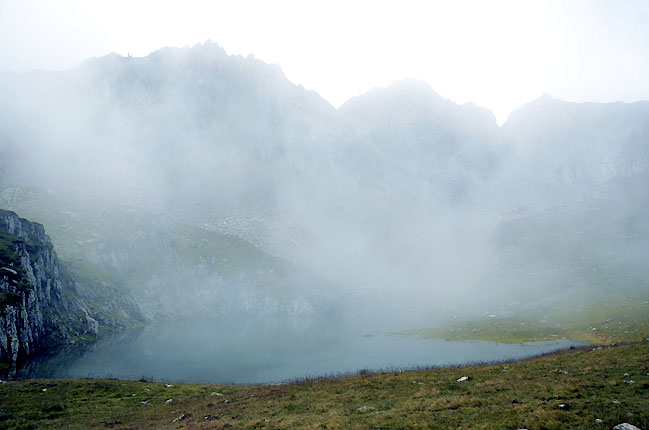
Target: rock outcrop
(39,307)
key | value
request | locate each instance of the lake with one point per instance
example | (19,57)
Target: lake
(263,351)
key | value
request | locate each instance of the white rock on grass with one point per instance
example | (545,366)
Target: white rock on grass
(180,418)
(366,408)
(625,426)
(464,379)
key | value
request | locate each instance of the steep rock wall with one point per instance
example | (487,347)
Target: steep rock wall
(38,304)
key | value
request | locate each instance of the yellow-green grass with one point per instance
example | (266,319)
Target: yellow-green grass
(622,320)
(590,383)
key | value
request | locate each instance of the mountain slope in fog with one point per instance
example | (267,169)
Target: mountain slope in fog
(170,269)
(403,197)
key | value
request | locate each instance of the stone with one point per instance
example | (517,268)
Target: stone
(39,313)
(625,426)
(366,408)
(181,418)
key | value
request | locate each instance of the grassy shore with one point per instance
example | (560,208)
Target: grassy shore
(600,322)
(575,388)
(591,383)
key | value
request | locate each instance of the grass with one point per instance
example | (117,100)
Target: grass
(589,382)
(623,320)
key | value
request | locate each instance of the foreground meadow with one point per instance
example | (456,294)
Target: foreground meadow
(570,389)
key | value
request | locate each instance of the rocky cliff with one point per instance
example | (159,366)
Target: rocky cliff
(39,306)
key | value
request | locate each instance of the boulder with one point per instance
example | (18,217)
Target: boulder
(625,426)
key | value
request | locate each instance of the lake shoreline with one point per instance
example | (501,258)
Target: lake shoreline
(360,371)
(256,353)
(589,382)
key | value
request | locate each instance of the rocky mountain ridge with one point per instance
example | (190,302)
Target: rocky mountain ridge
(396,187)
(39,305)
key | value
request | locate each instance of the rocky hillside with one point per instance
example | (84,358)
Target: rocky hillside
(39,306)
(154,169)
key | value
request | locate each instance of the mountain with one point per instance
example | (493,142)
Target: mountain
(406,136)
(574,143)
(199,181)
(170,269)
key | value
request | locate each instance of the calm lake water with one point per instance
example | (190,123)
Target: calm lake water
(263,351)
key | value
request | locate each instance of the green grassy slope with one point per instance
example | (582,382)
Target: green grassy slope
(600,322)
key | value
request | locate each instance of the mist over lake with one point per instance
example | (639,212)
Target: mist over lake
(195,202)
(324,215)
(191,184)
(252,351)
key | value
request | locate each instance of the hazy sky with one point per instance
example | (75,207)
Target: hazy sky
(498,54)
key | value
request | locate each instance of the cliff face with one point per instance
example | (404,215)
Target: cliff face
(39,306)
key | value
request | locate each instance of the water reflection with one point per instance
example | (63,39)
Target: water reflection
(262,351)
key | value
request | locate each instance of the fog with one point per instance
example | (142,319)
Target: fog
(199,183)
